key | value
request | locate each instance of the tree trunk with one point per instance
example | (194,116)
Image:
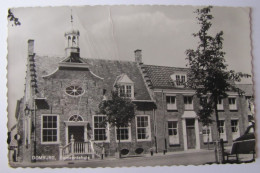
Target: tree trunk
(217,118)
(219,153)
(208,136)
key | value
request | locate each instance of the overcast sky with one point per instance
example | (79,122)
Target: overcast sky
(114,32)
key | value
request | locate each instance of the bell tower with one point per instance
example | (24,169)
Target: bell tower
(72,41)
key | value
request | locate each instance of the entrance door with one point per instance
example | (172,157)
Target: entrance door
(191,137)
(77,132)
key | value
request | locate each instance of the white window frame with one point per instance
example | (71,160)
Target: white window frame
(232,106)
(129,134)
(125,85)
(170,105)
(179,82)
(148,128)
(176,138)
(220,104)
(107,131)
(207,135)
(236,134)
(58,129)
(224,134)
(190,105)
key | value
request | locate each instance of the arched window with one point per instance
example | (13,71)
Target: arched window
(69,38)
(73,40)
(76,118)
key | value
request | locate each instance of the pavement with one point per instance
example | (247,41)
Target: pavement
(189,157)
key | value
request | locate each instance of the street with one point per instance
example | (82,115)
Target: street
(178,158)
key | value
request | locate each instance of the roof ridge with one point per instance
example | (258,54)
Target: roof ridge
(85,58)
(166,66)
(107,59)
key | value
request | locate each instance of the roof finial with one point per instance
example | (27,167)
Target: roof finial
(71,19)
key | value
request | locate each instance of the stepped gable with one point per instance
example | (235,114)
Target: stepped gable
(160,76)
(107,69)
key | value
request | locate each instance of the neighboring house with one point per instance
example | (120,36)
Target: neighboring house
(14,140)
(13,144)
(177,122)
(250,108)
(58,116)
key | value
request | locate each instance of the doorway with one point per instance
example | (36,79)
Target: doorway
(191,137)
(77,132)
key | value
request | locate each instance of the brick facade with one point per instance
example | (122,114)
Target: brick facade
(48,77)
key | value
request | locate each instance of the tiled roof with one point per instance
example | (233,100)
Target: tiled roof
(247,88)
(107,69)
(160,76)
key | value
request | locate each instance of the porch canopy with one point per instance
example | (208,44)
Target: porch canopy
(189,114)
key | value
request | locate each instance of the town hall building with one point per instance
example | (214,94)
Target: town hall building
(59,116)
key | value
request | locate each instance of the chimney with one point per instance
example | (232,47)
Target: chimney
(138,56)
(30,47)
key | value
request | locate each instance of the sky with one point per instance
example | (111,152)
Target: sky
(163,33)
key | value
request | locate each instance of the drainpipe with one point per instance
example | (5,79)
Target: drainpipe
(164,124)
(155,130)
(34,112)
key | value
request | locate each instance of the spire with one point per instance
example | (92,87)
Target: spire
(71,19)
(72,40)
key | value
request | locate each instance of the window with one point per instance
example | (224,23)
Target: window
(171,102)
(207,136)
(126,86)
(234,129)
(220,104)
(126,91)
(50,129)
(180,80)
(203,101)
(123,133)
(100,131)
(74,91)
(76,118)
(173,132)
(232,103)
(122,91)
(222,130)
(188,102)
(143,128)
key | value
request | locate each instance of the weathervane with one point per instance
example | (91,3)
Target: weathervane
(71,19)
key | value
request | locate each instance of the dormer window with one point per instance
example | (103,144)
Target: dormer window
(179,79)
(125,90)
(126,86)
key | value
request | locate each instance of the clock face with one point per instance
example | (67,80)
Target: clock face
(74,90)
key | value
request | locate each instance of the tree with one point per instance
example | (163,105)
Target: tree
(12,18)
(119,110)
(208,73)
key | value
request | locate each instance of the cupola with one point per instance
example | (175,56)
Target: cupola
(72,42)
